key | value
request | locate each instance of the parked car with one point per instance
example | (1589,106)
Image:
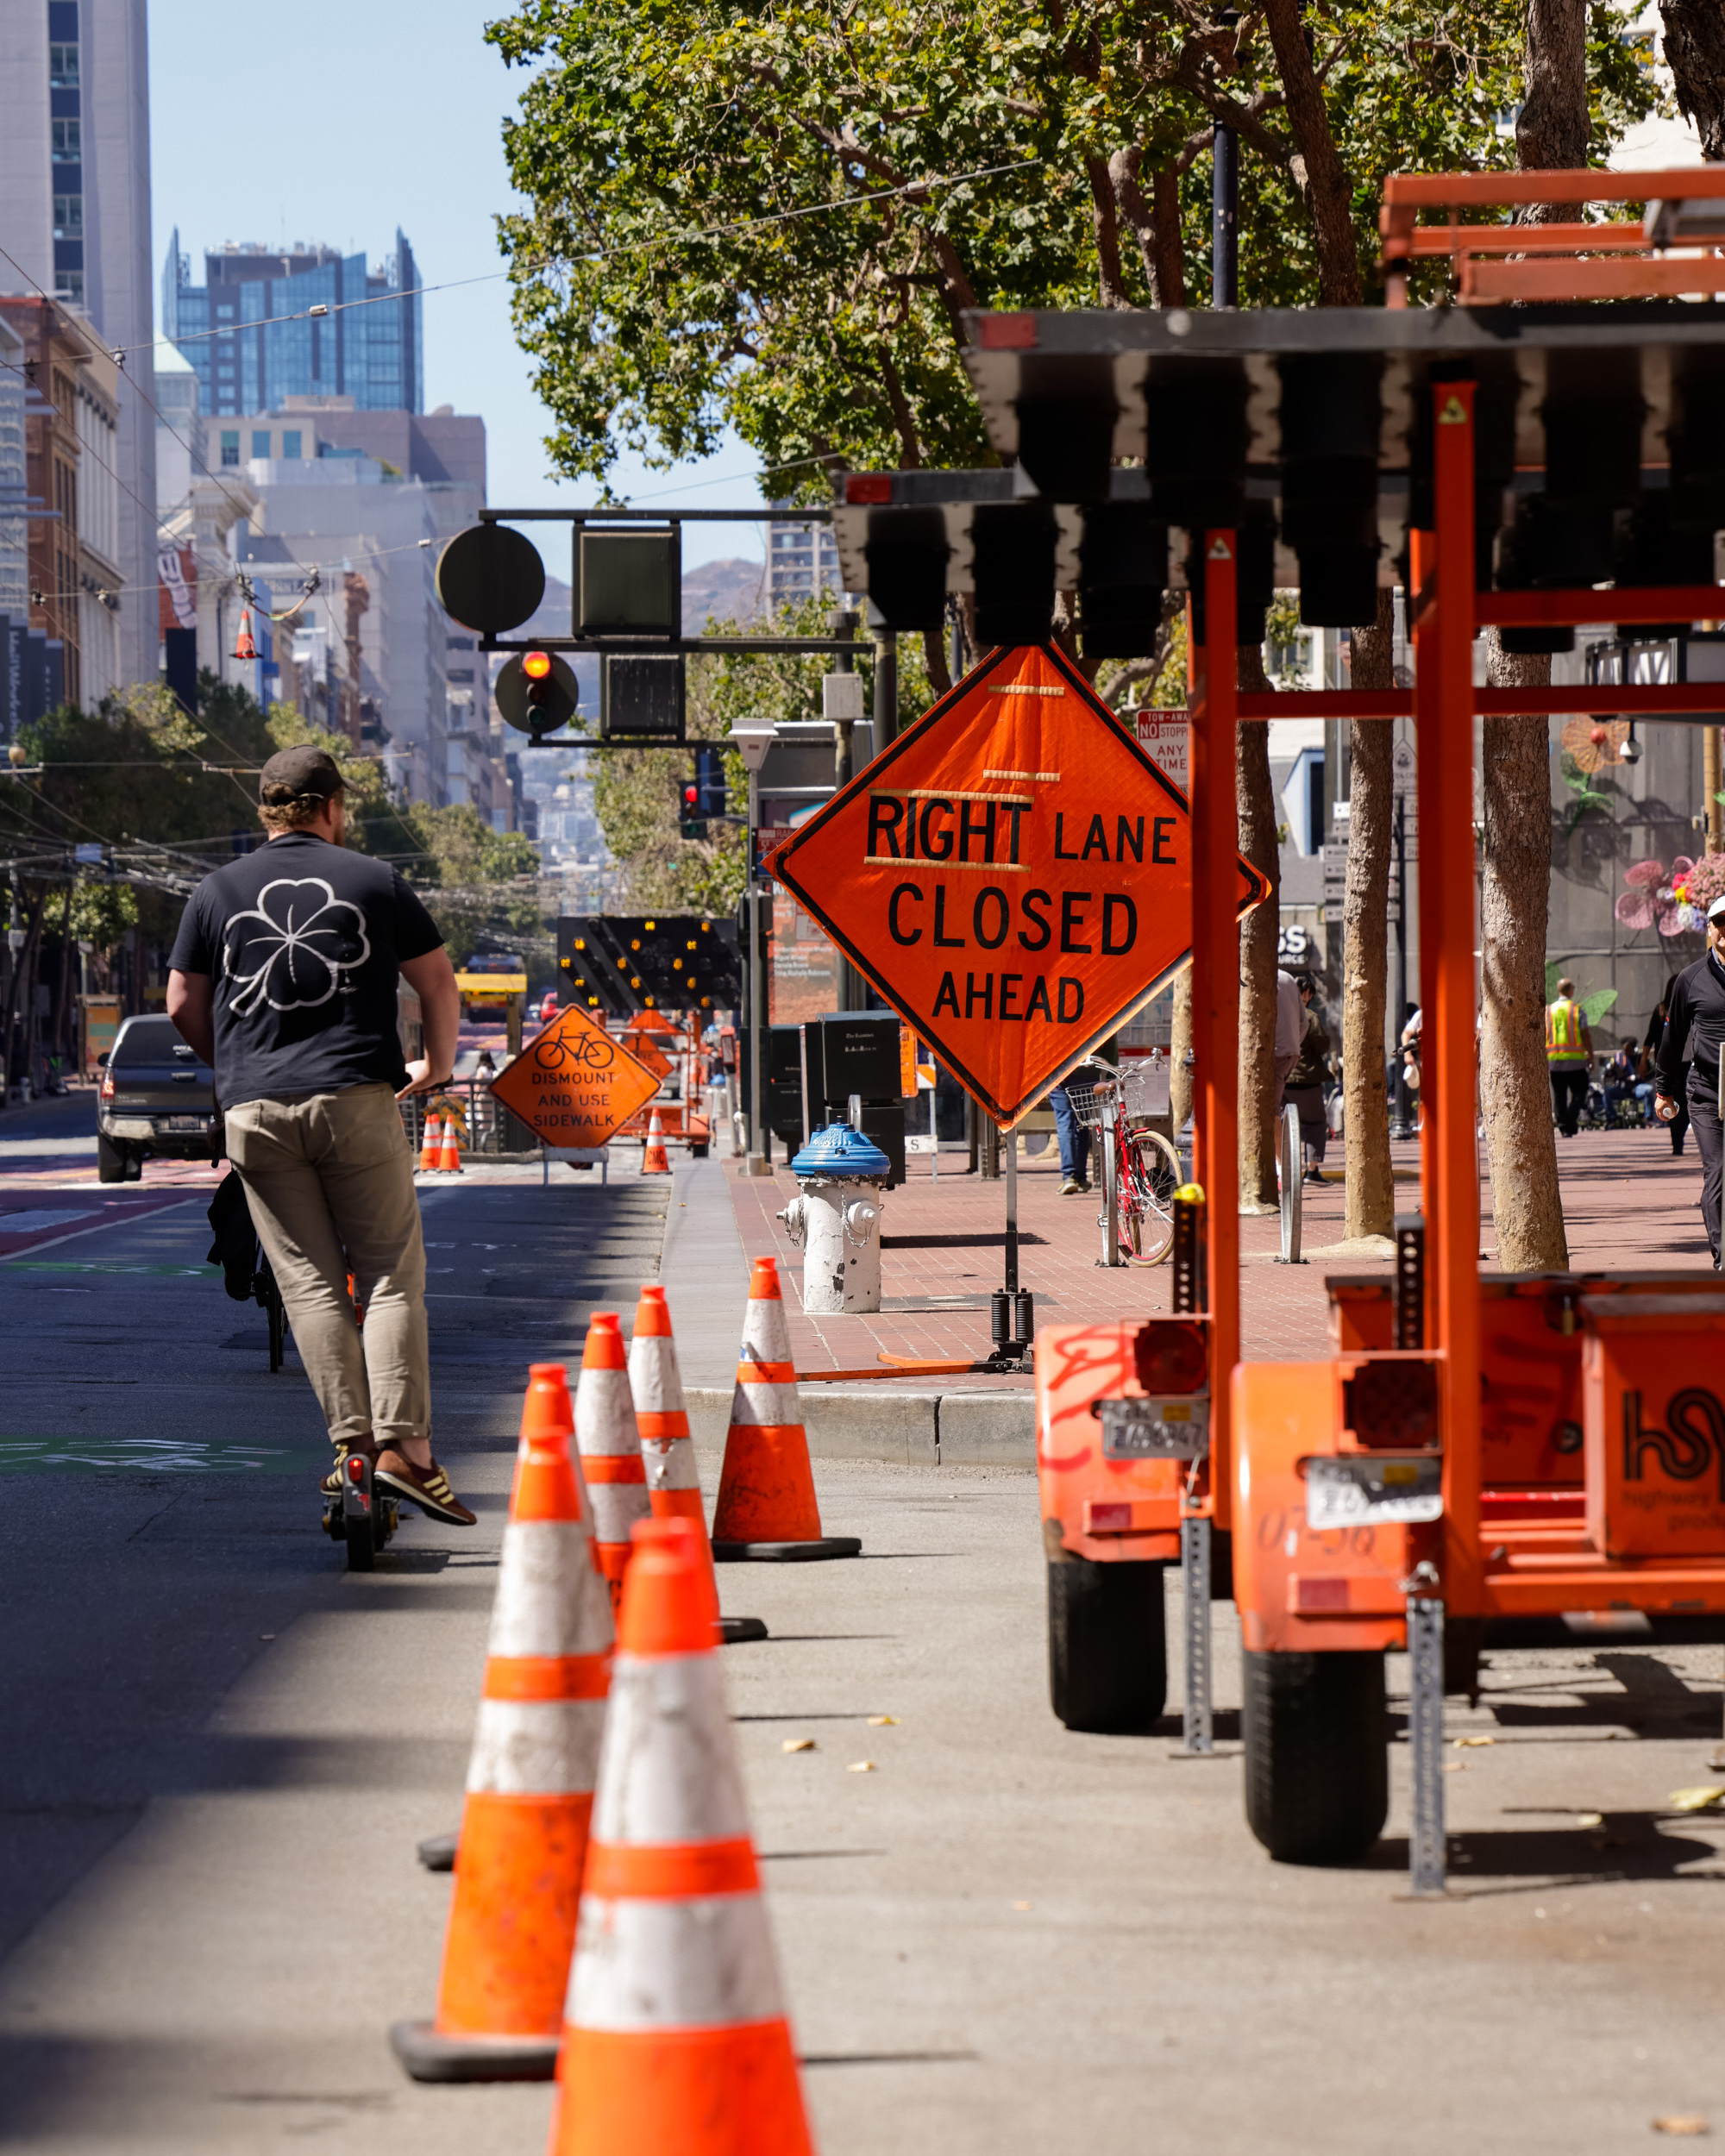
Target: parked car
(157,1101)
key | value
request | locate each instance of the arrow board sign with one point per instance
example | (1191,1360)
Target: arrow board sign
(1013,873)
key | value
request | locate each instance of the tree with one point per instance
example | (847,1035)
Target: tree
(1695,52)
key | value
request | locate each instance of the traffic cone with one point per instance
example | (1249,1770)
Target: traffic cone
(431,1145)
(531,1780)
(449,1154)
(547,1425)
(667,1451)
(654,1161)
(766,1504)
(610,1446)
(676,2034)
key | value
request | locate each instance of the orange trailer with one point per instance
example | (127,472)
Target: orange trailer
(1479,1458)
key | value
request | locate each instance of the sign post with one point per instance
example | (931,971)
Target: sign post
(753,738)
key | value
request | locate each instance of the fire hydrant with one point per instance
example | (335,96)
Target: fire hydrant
(836,1217)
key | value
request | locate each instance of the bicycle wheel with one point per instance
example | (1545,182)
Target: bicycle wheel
(1149,1176)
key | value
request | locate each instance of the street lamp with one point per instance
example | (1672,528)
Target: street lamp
(752,738)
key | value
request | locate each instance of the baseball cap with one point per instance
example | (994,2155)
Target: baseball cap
(292,773)
(1716,910)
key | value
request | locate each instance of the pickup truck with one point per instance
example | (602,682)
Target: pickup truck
(157,1101)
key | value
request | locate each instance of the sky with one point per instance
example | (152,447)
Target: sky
(371,114)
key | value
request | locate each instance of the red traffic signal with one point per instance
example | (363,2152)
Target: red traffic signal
(537,691)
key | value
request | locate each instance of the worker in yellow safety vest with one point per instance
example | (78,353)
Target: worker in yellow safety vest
(1568,1057)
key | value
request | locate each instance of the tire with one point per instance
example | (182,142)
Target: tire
(1317,1754)
(1146,1197)
(110,1160)
(1108,1646)
(277,1327)
(360,1534)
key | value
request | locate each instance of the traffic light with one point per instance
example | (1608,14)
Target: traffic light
(690,821)
(709,781)
(536,692)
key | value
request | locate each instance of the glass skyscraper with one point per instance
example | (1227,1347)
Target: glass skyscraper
(246,360)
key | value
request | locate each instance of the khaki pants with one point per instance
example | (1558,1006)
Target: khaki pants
(330,1178)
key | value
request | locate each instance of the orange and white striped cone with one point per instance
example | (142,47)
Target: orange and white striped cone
(547,1425)
(530,1794)
(449,1155)
(431,1145)
(610,1446)
(667,1451)
(676,2036)
(767,1505)
(654,1161)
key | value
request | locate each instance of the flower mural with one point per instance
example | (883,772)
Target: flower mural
(1674,901)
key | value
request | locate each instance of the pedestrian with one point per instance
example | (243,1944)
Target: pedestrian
(1678,1126)
(485,1108)
(1412,1063)
(1619,1075)
(1305,1088)
(283,978)
(1694,1022)
(1290,1028)
(1568,1057)
(1072,1135)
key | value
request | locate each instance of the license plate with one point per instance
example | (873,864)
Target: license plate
(183,1122)
(1342,1492)
(1156,1429)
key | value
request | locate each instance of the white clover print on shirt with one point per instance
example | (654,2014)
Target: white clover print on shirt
(291,949)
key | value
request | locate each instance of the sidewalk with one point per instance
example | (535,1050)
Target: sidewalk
(1627,1204)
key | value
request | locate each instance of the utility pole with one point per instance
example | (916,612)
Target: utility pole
(1225,216)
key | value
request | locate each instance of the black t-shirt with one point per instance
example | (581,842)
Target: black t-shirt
(303,940)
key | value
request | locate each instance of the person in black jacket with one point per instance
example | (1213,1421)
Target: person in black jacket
(1678,1126)
(1697,1006)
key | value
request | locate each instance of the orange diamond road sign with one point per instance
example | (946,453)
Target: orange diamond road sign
(1013,873)
(574,1085)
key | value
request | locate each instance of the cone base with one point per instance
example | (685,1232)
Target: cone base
(786,1552)
(428,2056)
(724,2091)
(438,1852)
(735,1632)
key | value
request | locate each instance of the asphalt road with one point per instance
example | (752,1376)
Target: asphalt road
(217,1751)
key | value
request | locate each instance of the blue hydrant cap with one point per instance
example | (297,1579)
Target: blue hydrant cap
(839,1150)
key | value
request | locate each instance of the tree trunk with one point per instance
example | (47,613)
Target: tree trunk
(1155,223)
(1255,806)
(1370,1206)
(1179,1048)
(1327,189)
(1552,131)
(1521,1143)
(1695,52)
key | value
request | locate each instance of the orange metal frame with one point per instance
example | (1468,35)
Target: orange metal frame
(1566,261)
(1511,1544)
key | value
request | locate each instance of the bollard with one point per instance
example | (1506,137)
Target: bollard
(1289,1169)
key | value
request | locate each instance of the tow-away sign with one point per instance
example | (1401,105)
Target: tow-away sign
(1013,873)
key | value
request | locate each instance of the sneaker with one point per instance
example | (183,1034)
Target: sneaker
(426,1486)
(1073,1188)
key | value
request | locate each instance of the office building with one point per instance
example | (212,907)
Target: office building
(247,358)
(802,558)
(182,452)
(75,219)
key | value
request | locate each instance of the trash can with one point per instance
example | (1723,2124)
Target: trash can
(836,1219)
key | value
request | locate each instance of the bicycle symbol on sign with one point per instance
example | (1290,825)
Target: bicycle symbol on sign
(584,1051)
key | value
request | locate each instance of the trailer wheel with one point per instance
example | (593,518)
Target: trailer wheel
(1317,1754)
(1107,1655)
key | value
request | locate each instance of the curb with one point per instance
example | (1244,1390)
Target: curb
(973,1428)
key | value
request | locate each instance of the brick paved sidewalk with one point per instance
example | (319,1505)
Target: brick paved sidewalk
(1627,1203)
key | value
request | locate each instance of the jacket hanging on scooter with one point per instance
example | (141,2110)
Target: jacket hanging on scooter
(235,1249)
